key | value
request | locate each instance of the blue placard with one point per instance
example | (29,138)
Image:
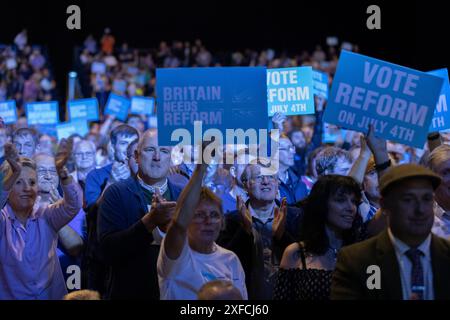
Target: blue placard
(46,129)
(8,111)
(86,109)
(65,130)
(120,86)
(142,105)
(441,117)
(290,91)
(221,98)
(42,113)
(398,101)
(320,83)
(117,106)
(98,67)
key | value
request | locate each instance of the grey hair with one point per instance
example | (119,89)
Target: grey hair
(91,144)
(263,162)
(328,157)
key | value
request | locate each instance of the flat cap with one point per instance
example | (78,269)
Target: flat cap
(406,171)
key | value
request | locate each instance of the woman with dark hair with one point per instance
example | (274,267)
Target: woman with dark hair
(329,222)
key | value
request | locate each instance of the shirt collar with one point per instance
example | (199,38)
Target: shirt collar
(162,188)
(255,215)
(402,247)
(12,216)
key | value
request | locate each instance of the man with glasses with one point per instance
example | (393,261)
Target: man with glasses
(84,156)
(290,185)
(72,235)
(260,229)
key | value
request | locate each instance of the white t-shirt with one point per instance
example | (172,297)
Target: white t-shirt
(181,279)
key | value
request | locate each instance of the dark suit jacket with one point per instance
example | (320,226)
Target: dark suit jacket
(350,276)
(125,243)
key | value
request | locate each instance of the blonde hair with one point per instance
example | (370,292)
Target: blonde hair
(207,195)
(437,156)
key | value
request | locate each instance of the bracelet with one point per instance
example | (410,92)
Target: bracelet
(382,166)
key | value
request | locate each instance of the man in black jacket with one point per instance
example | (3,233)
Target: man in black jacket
(133,217)
(260,230)
(406,261)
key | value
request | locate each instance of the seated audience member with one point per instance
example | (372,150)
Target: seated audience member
(189,256)
(26,141)
(260,229)
(82,295)
(219,290)
(329,214)
(29,268)
(133,216)
(413,263)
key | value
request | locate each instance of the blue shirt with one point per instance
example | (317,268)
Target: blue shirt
(96,181)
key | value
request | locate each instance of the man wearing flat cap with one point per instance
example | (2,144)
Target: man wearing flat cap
(405,261)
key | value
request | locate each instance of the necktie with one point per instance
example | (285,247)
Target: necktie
(417,284)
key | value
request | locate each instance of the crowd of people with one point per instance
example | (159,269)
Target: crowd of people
(25,73)
(139,225)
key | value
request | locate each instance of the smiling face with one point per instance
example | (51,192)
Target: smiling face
(84,154)
(262,183)
(153,161)
(120,148)
(24,191)
(409,208)
(342,208)
(46,173)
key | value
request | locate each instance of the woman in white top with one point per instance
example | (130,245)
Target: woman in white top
(189,256)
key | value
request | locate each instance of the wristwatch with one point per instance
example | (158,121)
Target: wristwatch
(434,136)
(382,166)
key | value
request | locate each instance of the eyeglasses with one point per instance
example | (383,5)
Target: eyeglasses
(43,172)
(85,154)
(259,179)
(201,217)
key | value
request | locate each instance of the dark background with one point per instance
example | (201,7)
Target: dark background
(413,34)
